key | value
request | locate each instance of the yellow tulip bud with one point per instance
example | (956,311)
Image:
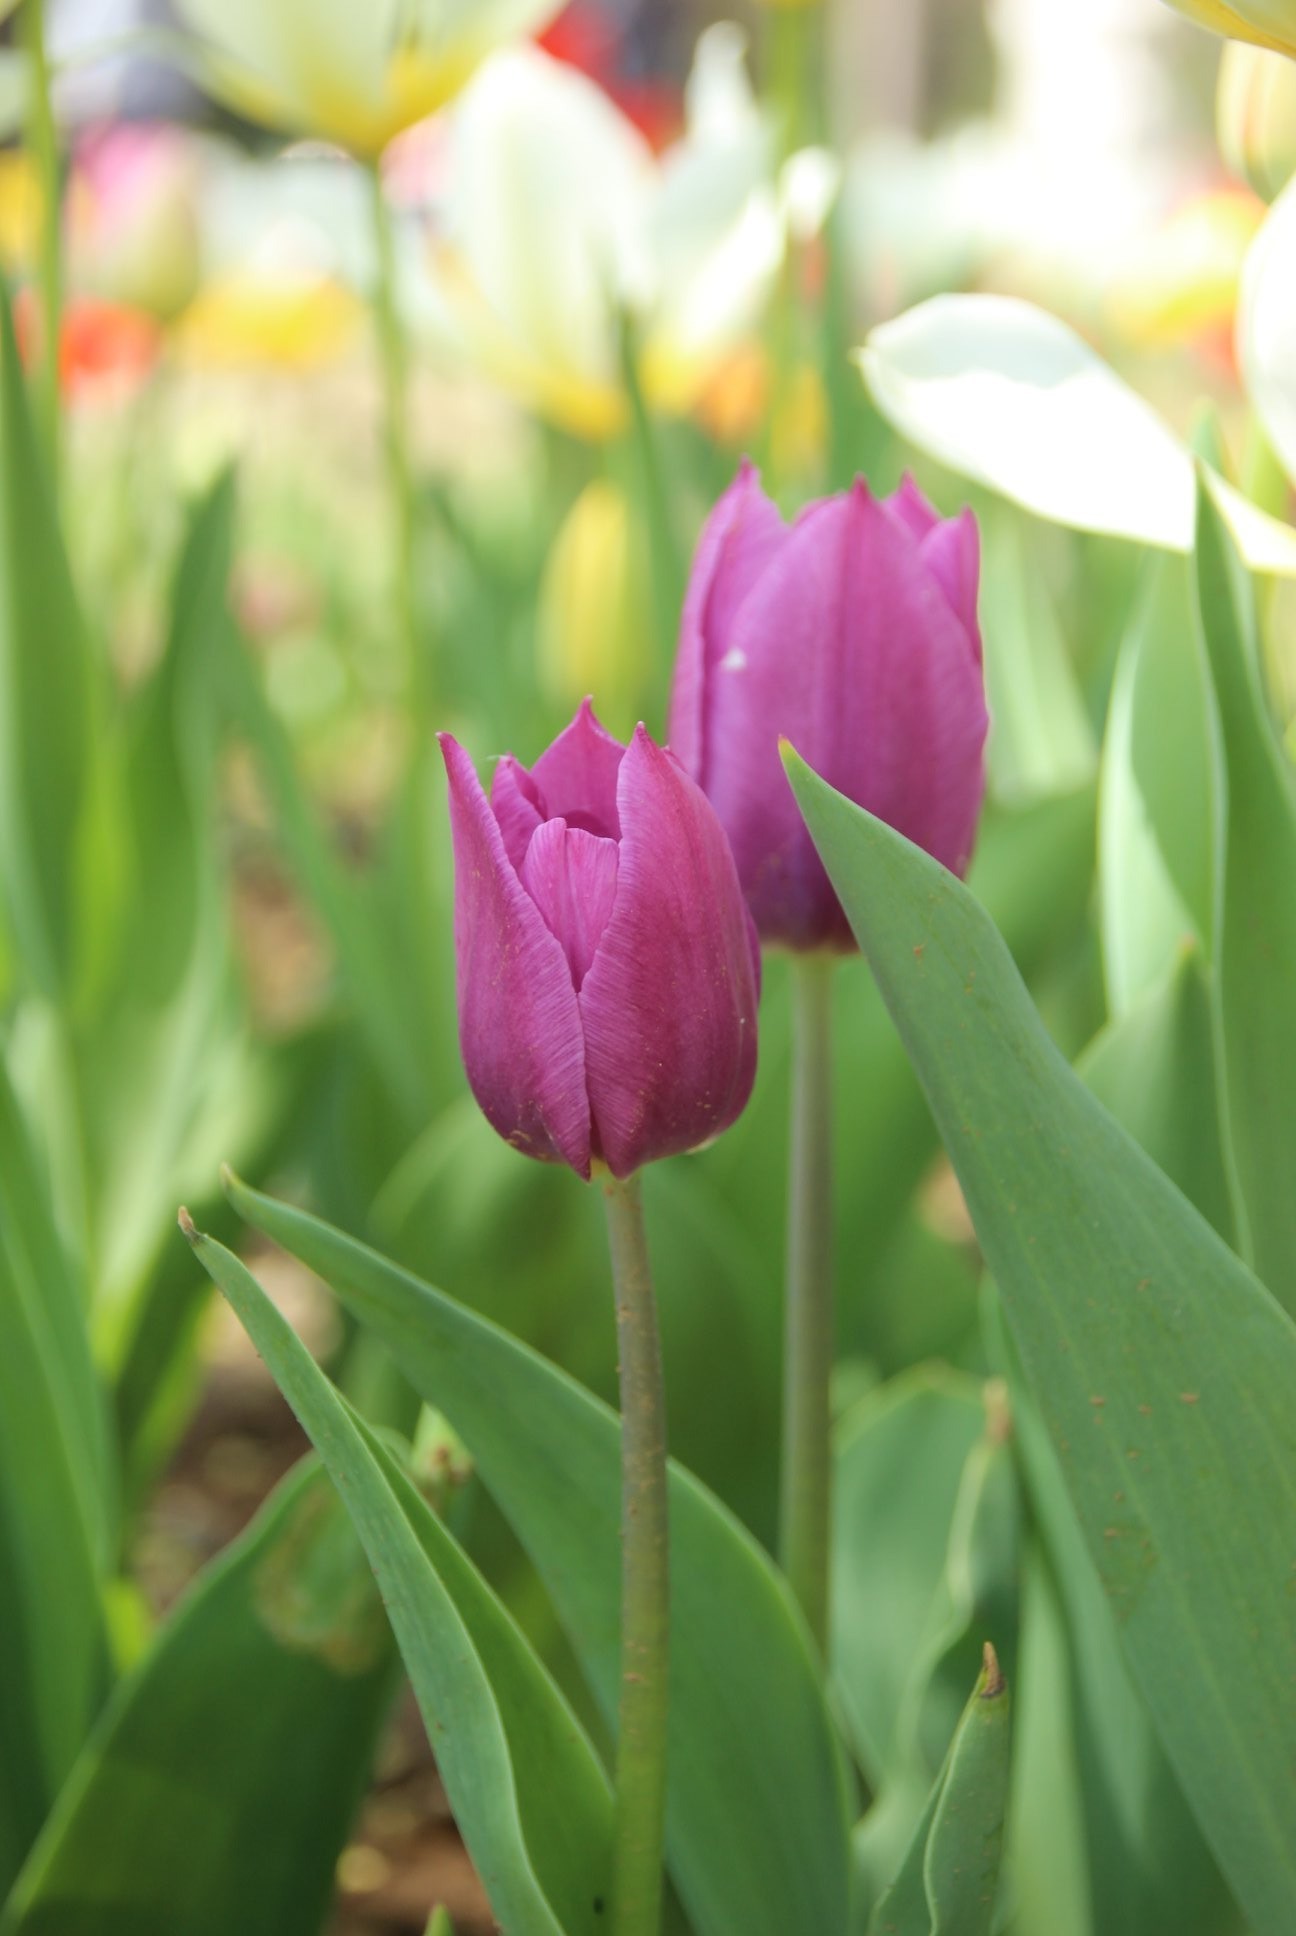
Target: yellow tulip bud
(1265,23)
(1255,117)
(592,622)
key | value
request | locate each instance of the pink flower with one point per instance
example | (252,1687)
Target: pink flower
(852,633)
(608,971)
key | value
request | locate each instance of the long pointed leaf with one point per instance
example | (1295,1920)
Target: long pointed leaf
(752,1845)
(1163,1369)
(530,1798)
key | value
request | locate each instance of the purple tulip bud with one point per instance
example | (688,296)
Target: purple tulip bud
(608,969)
(852,633)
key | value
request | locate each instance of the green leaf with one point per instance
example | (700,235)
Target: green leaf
(949,1879)
(1163,1369)
(529,1795)
(56,1503)
(1148,1871)
(47,699)
(750,1844)
(1153,1068)
(1161,808)
(218,1793)
(1256,934)
(896,1484)
(1041,741)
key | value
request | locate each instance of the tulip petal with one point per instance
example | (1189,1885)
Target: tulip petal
(571,876)
(742,536)
(519,1024)
(669,1005)
(952,553)
(915,512)
(851,651)
(577,776)
(516,804)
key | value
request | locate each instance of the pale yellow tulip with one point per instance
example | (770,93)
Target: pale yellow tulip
(1265,23)
(354,72)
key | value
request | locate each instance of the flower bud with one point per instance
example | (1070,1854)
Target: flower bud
(592,622)
(1255,118)
(852,633)
(608,971)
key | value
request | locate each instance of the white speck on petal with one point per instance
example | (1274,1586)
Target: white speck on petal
(734,660)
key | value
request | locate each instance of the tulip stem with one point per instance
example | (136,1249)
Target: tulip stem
(645,1577)
(808,1319)
(42,142)
(394,359)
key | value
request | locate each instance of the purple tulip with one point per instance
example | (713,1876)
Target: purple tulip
(608,969)
(853,634)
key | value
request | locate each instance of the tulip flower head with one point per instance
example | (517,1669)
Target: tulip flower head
(355,72)
(852,633)
(1265,23)
(608,970)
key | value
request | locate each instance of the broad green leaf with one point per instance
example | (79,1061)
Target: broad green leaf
(1009,395)
(219,1790)
(529,1795)
(1256,923)
(1161,805)
(749,1847)
(949,1879)
(898,1470)
(1162,1368)
(56,1504)
(1045,1849)
(925,1565)
(1147,1868)
(47,699)
(167,1067)
(1041,741)
(1154,1069)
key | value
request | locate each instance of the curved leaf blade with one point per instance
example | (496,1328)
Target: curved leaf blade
(1163,1369)
(259,1702)
(530,1798)
(748,1848)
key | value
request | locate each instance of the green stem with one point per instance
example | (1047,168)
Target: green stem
(394,358)
(645,1577)
(796,73)
(42,140)
(808,1334)
(667,560)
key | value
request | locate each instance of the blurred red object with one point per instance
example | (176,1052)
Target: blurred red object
(586,36)
(100,342)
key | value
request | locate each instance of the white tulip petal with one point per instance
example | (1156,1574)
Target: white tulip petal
(1266,327)
(302,50)
(1010,396)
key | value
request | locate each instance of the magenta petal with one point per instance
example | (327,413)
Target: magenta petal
(519,1024)
(914,511)
(952,553)
(577,776)
(743,535)
(853,653)
(515,802)
(669,1005)
(571,876)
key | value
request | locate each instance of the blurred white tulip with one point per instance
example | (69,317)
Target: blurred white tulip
(559,217)
(1266,327)
(354,72)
